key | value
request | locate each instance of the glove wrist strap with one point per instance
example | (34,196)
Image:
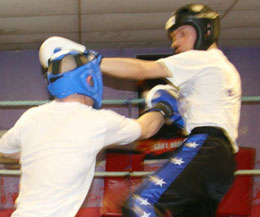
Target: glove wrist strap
(164,108)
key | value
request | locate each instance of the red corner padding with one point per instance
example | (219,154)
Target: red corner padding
(83,212)
(117,189)
(6,212)
(88,212)
(238,200)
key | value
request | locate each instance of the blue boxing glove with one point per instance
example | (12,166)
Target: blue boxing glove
(163,98)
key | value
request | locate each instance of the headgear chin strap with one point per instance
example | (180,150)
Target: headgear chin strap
(85,79)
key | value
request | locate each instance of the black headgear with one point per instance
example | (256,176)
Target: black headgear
(202,18)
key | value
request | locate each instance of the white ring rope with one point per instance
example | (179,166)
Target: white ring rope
(136,173)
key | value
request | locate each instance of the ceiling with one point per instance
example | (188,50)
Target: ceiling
(25,24)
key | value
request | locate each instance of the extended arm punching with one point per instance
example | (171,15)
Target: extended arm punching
(132,68)
(118,67)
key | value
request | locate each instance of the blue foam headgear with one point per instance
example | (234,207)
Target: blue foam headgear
(85,79)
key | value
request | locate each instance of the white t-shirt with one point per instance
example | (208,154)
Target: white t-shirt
(59,143)
(210,89)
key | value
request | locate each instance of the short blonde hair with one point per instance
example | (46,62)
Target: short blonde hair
(68,63)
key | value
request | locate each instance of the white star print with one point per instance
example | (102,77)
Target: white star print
(146,214)
(160,182)
(157,181)
(191,144)
(177,161)
(144,202)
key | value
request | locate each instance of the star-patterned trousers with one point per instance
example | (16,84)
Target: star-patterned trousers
(191,183)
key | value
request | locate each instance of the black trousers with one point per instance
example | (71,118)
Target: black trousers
(192,182)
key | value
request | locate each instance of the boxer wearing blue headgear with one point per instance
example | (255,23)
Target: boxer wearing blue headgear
(84,79)
(58,141)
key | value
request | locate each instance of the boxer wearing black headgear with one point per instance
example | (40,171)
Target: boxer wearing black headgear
(203,19)
(198,174)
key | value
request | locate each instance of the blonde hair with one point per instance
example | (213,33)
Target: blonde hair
(68,63)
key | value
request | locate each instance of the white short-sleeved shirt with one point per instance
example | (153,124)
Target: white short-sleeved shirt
(210,89)
(59,143)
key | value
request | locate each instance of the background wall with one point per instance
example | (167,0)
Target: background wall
(21,79)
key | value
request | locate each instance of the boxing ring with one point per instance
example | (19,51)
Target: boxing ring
(119,176)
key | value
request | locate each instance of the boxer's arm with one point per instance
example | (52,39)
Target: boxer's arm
(132,68)
(150,124)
